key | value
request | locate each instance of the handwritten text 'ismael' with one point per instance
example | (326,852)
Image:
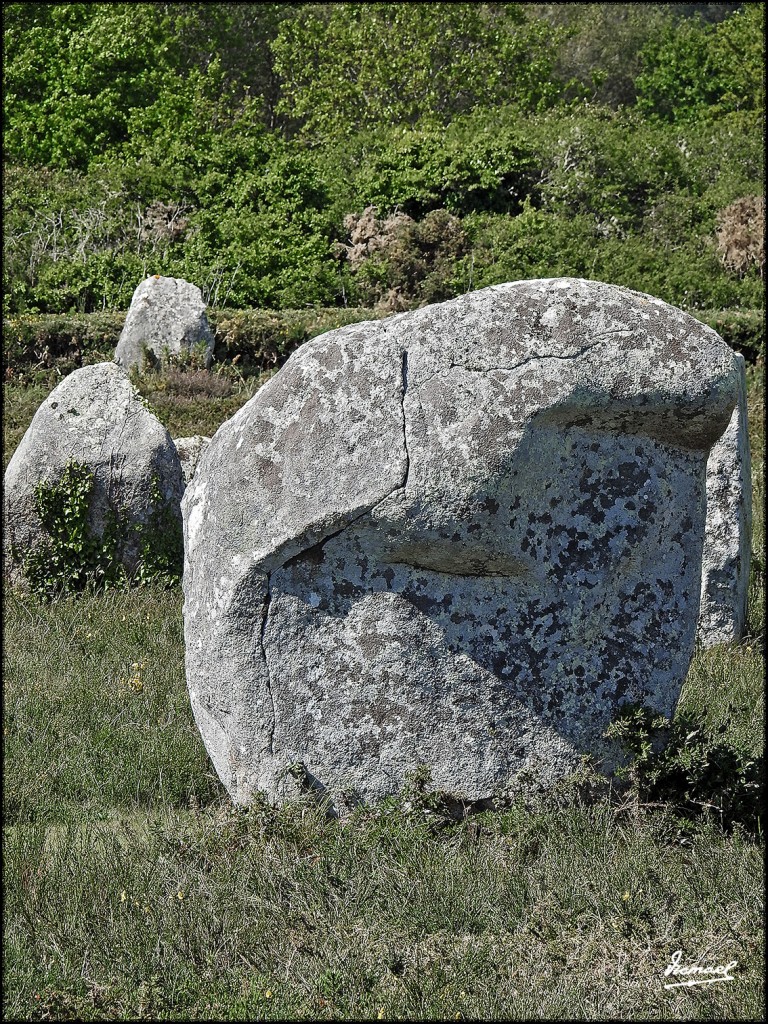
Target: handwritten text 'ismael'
(701,975)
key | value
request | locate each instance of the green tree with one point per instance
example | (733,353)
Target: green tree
(238,37)
(74,72)
(598,54)
(697,70)
(349,67)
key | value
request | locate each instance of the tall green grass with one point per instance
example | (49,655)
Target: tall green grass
(217,914)
(134,890)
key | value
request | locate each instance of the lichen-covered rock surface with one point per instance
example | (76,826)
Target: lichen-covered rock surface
(190,449)
(727,541)
(166,316)
(96,418)
(460,537)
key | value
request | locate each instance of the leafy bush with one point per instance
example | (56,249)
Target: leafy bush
(72,557)
(533,244)
(345,68)
(599,55)
(226,146)
(678,764)
(742,329)
(693,70)
(76,242)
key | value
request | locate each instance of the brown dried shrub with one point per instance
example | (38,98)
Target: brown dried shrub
(195,383)
(741,235)
(399,262)
(163,222)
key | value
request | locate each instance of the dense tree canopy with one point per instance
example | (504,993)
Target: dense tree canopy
(242,145)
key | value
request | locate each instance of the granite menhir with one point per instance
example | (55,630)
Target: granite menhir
(462,537)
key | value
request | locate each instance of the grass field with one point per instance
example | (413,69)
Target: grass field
(134,890)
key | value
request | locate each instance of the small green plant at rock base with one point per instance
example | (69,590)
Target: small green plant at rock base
(193,358)
(72,557)
(161,542)
(678,764)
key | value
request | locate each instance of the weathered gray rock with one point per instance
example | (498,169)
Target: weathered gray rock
(727,543)
(95,417)
(460,537)
(190,449)
(167,315)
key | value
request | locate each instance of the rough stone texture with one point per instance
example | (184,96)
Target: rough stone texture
(96,417)
(459,537)
(727,542)
(190,449)
(166,314)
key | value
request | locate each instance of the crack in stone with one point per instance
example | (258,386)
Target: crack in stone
(536,356)
(262,631)
(317,547)
(464,573)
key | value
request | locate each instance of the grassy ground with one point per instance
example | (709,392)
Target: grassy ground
(133,890)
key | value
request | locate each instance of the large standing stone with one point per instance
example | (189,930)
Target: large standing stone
(167,315)
(727,543)
(459,537)
(96,418)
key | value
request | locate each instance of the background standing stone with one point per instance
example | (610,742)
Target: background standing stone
(95,417)
(167,315)
(726,559)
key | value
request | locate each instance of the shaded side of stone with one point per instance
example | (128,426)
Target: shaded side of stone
(190,449)
(727,544)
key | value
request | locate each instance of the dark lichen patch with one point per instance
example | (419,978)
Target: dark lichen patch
(313,556)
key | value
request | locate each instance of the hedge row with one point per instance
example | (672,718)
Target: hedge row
(742,329)
(256,339)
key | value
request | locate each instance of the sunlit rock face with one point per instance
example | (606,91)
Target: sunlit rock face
(95,417)
(166,318)
(461,537)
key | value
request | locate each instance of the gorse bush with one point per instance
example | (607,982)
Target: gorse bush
(679,765)
(228,144)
